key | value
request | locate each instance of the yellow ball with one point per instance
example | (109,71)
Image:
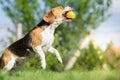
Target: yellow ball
(70,14)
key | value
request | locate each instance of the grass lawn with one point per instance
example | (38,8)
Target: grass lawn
(70,75)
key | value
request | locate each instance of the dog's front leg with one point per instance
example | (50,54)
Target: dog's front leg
(54,51)
(39,50)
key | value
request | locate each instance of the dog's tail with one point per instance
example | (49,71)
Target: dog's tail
(0,60)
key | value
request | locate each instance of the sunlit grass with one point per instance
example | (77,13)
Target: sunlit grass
(70,75)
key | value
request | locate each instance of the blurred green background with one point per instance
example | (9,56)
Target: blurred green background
(70,38)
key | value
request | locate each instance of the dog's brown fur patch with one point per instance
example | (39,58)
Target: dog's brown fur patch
(6,57)
(36,37)
(49,17)
(54,13)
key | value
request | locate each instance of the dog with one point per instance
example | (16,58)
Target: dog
(38,40)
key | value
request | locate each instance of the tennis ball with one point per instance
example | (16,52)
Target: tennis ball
(70,14)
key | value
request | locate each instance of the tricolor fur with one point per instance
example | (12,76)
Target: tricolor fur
(38,40)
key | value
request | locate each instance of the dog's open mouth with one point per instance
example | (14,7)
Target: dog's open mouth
(69,14)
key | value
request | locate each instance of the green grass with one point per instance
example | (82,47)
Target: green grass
(70,75)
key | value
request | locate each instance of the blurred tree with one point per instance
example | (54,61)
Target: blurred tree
(26,12)
(91,58)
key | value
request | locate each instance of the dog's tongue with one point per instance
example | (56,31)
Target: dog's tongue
(70,15)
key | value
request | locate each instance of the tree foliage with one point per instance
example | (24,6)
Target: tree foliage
(91,58)
(26,12)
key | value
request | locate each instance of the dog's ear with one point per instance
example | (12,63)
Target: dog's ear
(49,17)
(57,11)
(53,13)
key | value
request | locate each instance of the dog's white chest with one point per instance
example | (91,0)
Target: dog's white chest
(47,38)
(48,35)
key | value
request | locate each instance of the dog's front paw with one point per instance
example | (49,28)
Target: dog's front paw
(60,60)
(43,66)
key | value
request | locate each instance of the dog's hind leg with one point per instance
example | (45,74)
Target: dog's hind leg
(39,50)
(10,63)
(19,64)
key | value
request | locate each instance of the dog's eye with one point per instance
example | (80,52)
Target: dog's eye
(61,8)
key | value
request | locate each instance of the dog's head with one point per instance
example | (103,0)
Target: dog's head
(57,13)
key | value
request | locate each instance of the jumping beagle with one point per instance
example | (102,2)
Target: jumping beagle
(39,40)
